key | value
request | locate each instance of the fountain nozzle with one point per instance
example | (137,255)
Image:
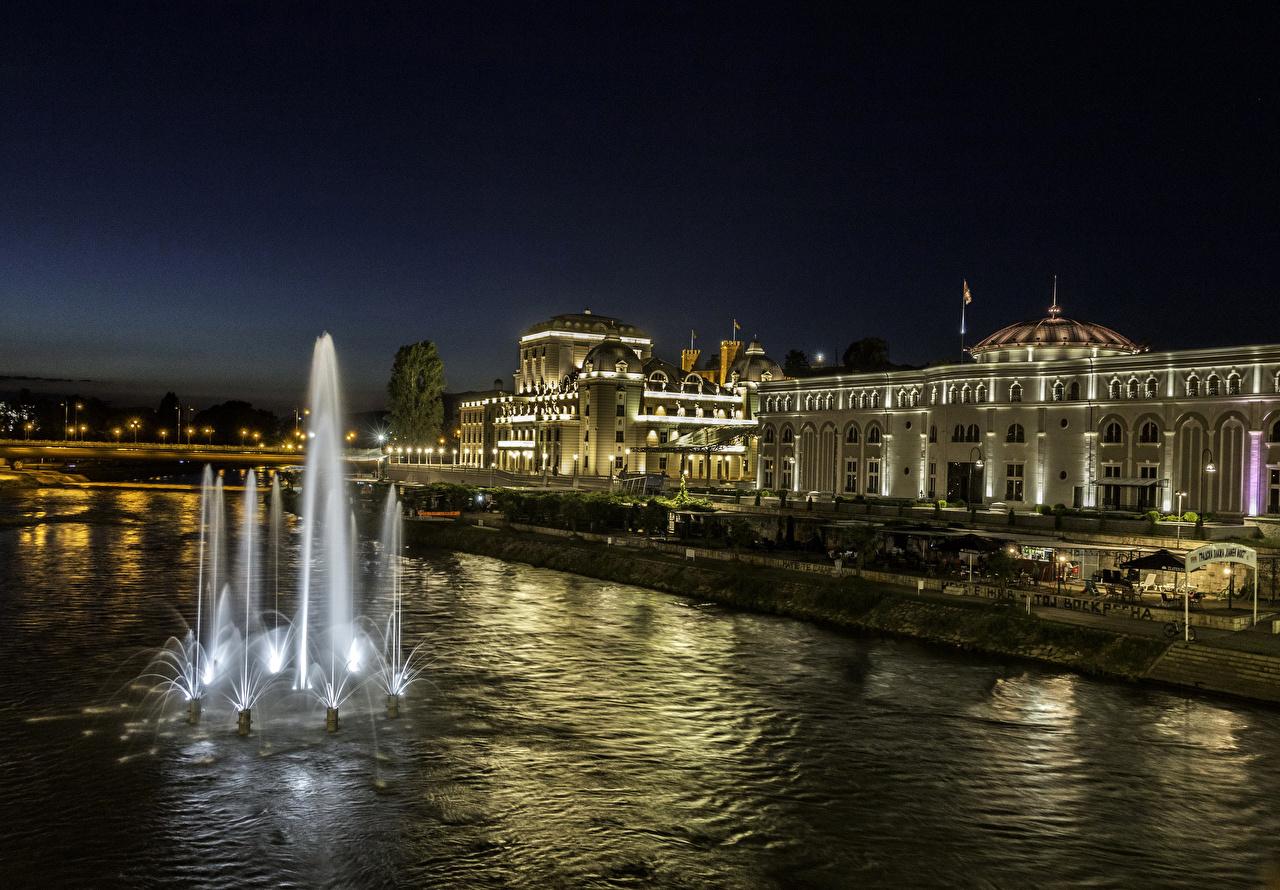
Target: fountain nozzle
(393,706)
(331,720)
(193,711)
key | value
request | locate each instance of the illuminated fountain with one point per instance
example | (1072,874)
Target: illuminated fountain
(239,648)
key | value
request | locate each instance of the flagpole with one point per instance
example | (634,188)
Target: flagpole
(963,303)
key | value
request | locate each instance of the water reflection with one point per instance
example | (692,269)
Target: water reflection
(581,733)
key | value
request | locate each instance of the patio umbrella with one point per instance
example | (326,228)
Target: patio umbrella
(976,543)
(1160,561)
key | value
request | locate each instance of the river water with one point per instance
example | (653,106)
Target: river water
(580,733)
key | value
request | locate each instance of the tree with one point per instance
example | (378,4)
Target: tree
(867,354)
(795,362)
(414,393)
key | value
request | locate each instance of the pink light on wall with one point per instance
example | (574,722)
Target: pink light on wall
(1255,469)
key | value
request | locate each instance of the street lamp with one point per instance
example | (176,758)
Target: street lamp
(1207,466)
(28,426)
(545,466)
(77,420)
(975,454)
(1062,571)
(164,436)
(243,432)
(1231,584)
(134,425)
(190,432)
(208,435)
(575,470)
(1179,495)
(493,468)
(66,421)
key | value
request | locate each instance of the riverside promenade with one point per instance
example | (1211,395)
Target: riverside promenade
(1243,662)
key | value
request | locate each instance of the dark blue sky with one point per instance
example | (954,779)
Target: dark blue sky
(189,193)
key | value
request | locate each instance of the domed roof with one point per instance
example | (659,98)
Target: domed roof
(606,354)
(753,365)
(587,323)
(1059,336)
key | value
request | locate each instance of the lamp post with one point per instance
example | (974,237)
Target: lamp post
(243,433)
(1207,466)
(66,421)
(208,435)
(1062,572)
(975,454)
(77,420)
(575,470)
(164,436)
(493,468)
(1179,495)
(1231,585)
(28,425)
(134,425)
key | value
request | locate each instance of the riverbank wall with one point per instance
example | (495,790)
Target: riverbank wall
(846,603)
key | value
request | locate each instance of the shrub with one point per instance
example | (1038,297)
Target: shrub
(941,505)
(1059,509)
(1154,516)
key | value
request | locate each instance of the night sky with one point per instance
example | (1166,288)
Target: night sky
(191,192)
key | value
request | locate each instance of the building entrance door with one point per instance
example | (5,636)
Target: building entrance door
(964,482)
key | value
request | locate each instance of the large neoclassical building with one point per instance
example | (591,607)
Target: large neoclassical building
(591,398)
(1048,411)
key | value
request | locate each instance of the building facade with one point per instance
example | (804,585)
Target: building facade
(1049,411)
(590,397)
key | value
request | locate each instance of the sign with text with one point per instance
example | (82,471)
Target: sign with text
(1200,557)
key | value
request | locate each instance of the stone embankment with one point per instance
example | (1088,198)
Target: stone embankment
(849,603)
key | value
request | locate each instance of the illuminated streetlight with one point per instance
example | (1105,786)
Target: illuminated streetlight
(243,433)
(1179,495)
(164,436)
(208,435)
(28,427)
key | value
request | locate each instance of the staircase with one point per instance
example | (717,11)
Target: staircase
(1199,666)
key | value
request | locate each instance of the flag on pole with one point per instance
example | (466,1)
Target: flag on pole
(736,326)
(968,297)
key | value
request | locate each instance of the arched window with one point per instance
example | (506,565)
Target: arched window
(1193,385)
(1134,386)
(862,400)
(768,435)
(1153,387)
(1114,389)
(957,434)
(933,434)
(1233,384)
(1058,390)
(1016,433)
(971,433)
(873,436)
(875,398)
(1015,392)
(951,394)
(966,395)
(1149,433)
(1275,432)
(902,396)
(980,394)
(915,398)
(1212,386)
(787,436)
(933,391)
(851,435)
(1111,433)
(1074,392)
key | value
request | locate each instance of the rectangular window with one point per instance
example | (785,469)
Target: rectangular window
(933,480)
(617,437)
(662,463)
(767,467)
(1013,482)
(873,476)
(586,409)
(621,410)
(851,474)
(662,437)
(786,473)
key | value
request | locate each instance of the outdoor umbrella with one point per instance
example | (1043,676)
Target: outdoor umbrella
(1160,561)
(976,543)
